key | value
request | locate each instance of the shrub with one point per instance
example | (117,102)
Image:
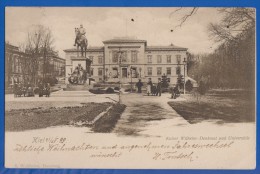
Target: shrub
(116,88)
(110,90)
(202,89)
(188,86)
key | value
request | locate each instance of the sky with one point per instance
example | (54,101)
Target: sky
(151,24)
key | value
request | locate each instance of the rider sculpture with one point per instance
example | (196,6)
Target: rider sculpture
(81,40)
(79,75)
(80,32)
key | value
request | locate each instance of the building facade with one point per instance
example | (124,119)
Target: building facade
(128,60)
(15,61)
(18,66)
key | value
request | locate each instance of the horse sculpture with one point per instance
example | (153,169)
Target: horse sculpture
(81,42)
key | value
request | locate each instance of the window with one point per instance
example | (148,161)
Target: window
(159,71)
(91,58)
(169,59)
(100,59)
(133,56)
(16,64)
(92,71)
(124,56)
(115,73)
(178,70)
(159,59)
(149,57)
(168,71)
(134,72)
(149,71)
(100,71)
(178,58)
(114,57)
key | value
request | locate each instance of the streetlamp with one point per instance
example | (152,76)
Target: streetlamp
(106,78)
(119,64)
(131,78)
(184,64)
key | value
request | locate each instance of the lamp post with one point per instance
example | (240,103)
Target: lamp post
(131,78)
(106,78)
(184,64)
(119,64)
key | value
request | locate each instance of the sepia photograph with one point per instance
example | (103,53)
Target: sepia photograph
(130,88)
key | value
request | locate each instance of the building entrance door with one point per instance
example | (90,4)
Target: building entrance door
(124,72)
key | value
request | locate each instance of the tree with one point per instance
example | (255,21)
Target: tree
(180,81)
(39,44)
(188,13)
(232,64)
(188,86)
(165,83)
(202,88)
(235,22)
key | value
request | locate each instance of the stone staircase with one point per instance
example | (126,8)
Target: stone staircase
(71,87)
(74,91)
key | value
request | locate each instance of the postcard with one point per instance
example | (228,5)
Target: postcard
(130,88)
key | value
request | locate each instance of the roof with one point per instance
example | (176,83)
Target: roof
(165,48)
(124,40)
(88,49)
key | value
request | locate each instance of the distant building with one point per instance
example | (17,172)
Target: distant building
(128,59)
(18,64)
(14,61)
(55,66)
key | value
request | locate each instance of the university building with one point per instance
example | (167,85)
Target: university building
(126,60)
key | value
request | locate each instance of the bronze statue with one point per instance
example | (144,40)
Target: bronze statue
(81,40)
(79,75)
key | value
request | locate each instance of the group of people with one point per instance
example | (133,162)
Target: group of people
(152,89)
(156,89)
(25,90)
(44,89)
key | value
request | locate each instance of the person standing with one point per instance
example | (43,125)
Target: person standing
(139,85)
(159,87)
(149,86)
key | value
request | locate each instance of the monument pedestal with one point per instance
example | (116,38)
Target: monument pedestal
(71,87)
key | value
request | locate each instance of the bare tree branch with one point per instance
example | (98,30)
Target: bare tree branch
(175,11)
(185,17)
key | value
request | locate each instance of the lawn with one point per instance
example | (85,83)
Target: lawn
(221,106)
(37,118)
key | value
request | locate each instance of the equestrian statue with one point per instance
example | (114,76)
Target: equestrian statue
(79,75)
(81,40)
